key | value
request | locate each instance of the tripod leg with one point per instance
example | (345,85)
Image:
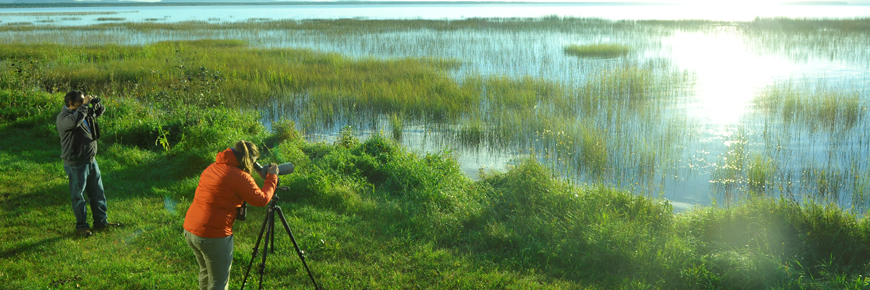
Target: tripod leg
(254,253)
(270,231)
(272,246)
(298,251)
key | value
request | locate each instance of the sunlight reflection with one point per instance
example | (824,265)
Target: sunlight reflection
(728,72)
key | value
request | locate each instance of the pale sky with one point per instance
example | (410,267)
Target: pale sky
(699,2)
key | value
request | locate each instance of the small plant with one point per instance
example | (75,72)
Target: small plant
(285,130)
(760,174)
(347,138)
(397,124)
(162,139)
(472,133)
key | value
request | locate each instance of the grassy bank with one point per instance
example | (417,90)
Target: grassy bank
(372,215)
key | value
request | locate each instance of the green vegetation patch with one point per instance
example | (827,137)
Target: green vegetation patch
(822,108)
(604,50)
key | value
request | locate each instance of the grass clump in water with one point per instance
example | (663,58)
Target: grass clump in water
(600,50)
(819,109)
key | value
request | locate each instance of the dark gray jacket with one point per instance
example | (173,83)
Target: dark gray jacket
(78,139)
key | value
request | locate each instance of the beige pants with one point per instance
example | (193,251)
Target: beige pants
(215,257)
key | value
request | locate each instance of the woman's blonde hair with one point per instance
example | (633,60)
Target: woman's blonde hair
(247,154)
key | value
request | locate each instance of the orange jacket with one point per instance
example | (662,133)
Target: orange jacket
(222,188)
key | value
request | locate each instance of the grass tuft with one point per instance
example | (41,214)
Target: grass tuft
(605,50)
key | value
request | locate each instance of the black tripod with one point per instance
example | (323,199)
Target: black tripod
(268,228)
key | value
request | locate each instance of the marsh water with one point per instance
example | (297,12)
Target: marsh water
(709,140)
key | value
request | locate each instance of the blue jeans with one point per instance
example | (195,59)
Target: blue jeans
(83,179)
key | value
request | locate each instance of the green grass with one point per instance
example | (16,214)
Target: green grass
(216,71)
(370,214)
(600,50)
(761,172)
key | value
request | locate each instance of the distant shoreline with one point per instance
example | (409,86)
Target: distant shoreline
(126,4)
(135,4)
(815,3)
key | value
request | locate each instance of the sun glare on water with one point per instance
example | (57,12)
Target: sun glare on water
(729,72)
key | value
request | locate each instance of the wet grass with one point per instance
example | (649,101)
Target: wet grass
(829,123)
(819,109)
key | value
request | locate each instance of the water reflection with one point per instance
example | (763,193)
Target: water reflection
(712,143)
(729,72)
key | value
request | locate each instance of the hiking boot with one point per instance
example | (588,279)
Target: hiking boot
(85,233)
(108,225)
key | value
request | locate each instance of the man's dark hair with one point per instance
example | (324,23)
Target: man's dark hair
(73,96)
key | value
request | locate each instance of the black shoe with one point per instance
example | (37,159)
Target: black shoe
(85,233)
(108,225)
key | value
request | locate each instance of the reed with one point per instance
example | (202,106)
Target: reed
(472,134)
(729,174)
(760,175)
(861,195)
(397,126)
(819,109)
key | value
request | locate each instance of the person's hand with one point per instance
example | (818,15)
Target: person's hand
(88,99)
(273,168)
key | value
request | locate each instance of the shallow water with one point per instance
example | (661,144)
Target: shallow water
(730,68)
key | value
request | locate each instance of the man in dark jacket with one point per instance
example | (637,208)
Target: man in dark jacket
(79,131)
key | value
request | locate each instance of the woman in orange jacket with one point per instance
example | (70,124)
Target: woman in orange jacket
(208,225)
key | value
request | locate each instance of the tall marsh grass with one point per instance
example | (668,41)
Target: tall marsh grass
(828,123)
(819,109)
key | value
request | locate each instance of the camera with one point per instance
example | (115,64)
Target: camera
(283,169)
(95,101)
